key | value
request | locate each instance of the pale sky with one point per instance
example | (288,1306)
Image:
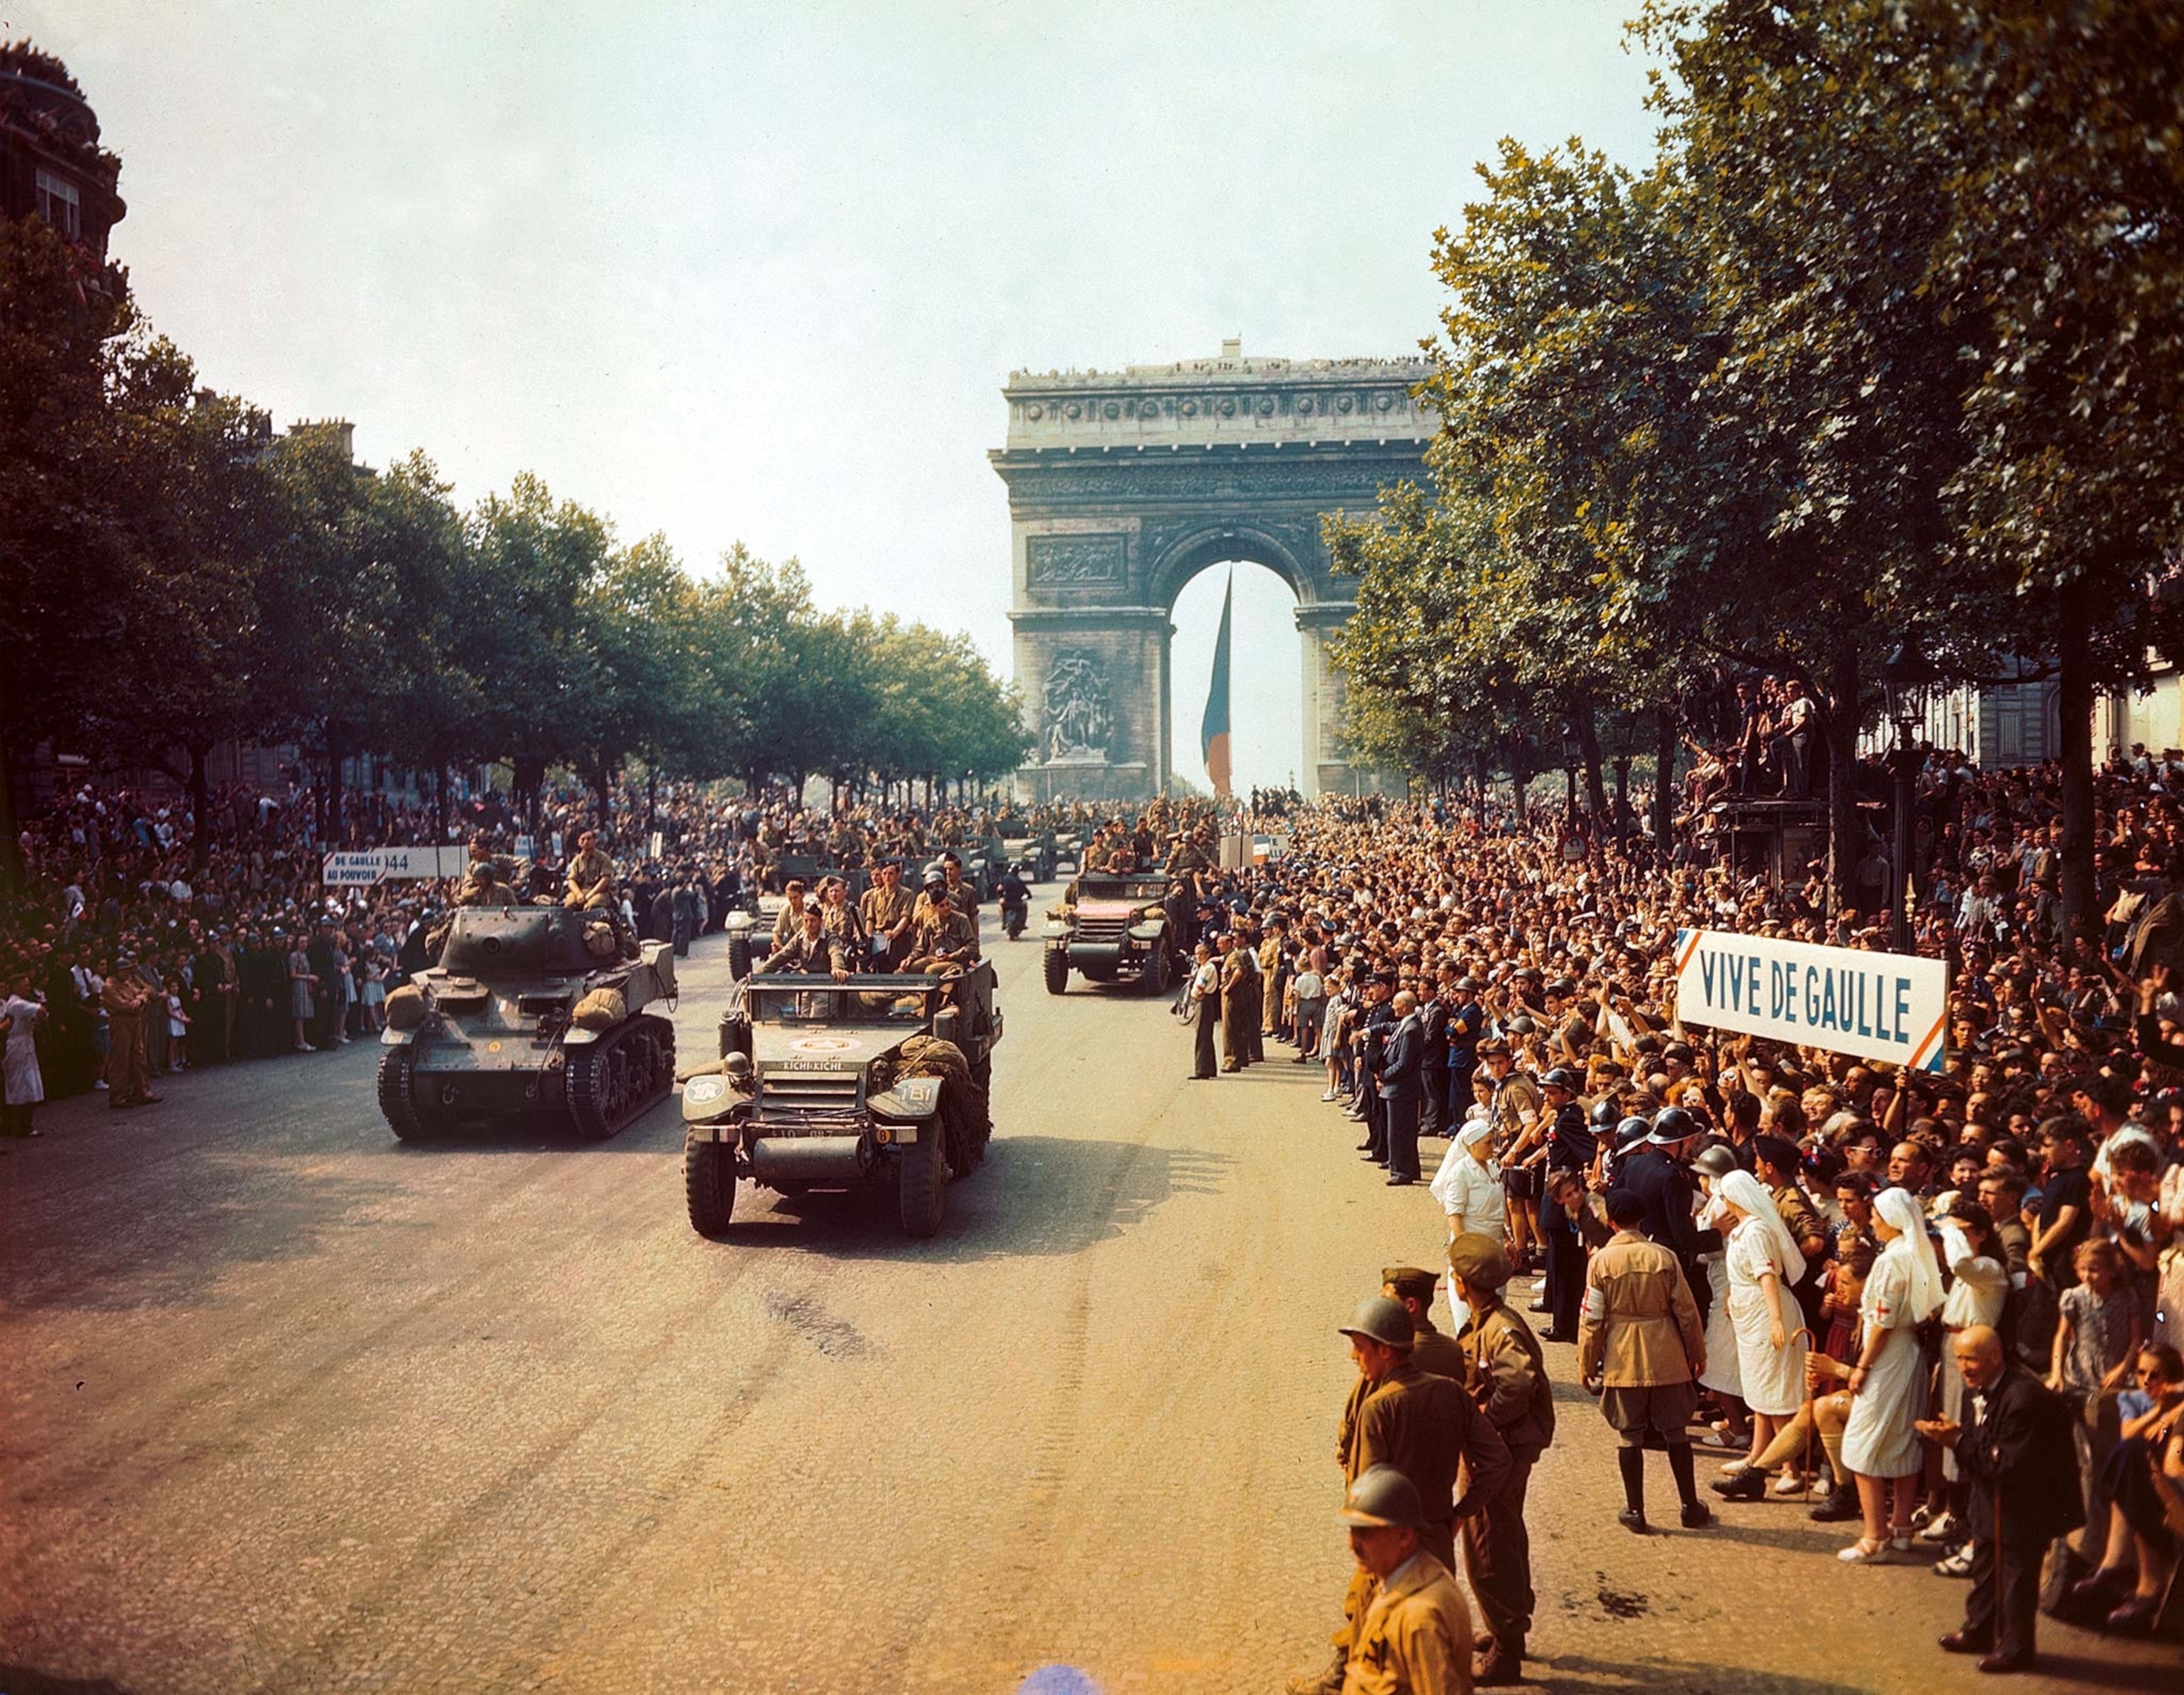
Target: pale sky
(758,272)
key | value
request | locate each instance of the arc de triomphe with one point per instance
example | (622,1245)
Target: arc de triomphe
(1123,486)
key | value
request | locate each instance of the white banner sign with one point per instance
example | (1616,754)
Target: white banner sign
(1890,1006)
(361,870)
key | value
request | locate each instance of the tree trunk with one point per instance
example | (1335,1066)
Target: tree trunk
(333,841)
(2075,702)
(200,808)
(440,803)
(1518,778)
(1664,777)
(1588,738)
(11,846)
(651,796)
(1840,728)
(602,793)
(1622,794)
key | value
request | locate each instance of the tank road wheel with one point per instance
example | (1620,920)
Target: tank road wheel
(591,1090)
(1057,971)
(922,1180)
(398,1096)
(709,1186)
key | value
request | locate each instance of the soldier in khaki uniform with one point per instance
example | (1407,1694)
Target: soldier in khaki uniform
(1236,1032)
(1414,1633)
(1506,1373)
(1640,1341)
(940,934)
(128,1074)
(488,880)
(888,908)
(590,877)
(1432,1350)
(1426,1427)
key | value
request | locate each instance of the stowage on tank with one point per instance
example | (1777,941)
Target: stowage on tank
(529,1009)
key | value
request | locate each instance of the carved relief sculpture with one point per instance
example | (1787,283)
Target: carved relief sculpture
(1070,560)
(1074,703)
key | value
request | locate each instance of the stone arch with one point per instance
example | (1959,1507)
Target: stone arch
(1123,487)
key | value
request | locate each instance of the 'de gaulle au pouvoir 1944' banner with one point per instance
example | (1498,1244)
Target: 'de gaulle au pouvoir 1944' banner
(1890,1006)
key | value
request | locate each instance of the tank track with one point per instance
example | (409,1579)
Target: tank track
(614,1081)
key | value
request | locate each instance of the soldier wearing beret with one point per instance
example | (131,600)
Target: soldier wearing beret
(1432,1350)
(1506,1373)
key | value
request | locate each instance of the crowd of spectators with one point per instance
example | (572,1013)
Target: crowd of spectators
(1842,1225)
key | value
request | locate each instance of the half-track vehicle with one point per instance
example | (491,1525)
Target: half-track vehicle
(1116,930)
(882,1078)
(529,1009)
(1037,853)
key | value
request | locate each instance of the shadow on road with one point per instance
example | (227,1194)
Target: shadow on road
(1034,1195)
(660,1127)
(21,1680)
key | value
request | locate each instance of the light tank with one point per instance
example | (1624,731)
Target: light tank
(529,1010)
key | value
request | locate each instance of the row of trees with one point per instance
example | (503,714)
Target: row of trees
(178,576)
(1888,344)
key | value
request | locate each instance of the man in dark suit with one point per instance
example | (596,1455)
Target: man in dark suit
(1655,1173)
(1399,1085)
(2021,1474)
(1433,1061)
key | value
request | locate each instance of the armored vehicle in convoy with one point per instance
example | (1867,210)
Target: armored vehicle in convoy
(1116,930)
(1035,853)
(825,1084)
(529,1010)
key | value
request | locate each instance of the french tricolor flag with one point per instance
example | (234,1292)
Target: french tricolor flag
(1213,732)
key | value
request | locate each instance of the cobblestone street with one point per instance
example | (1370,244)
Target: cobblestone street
(289,1407)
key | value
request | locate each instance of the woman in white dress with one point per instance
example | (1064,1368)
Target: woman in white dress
(1468,1186)
(1721,1374)
(25,1084)
(1764,1260)
(1879,1445)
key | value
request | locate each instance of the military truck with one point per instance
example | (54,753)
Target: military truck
(823,1085)
(529,1009)
(1116,931)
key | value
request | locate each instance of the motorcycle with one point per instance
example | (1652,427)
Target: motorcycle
(1013,915)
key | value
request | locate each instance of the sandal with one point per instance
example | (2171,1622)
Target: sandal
(1864,1552)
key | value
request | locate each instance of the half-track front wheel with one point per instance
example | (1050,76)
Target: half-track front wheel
(1057,971)
(397,1094)
(709,1186)
(739,957)
(922,1181)
(1159,967)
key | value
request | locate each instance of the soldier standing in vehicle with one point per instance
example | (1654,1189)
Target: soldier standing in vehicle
(888,908)
(960,895)
(939,932)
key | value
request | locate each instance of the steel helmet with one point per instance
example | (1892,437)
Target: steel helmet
(1603,1115)
(1382,1499)
(1380,1319)
(1673,1124)
(1716,1162)
(1562,1077)
(1630,1132)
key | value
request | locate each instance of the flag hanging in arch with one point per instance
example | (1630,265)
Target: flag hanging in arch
(1213,731)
